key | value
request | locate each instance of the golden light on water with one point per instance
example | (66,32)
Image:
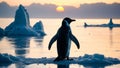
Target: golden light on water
(60,9)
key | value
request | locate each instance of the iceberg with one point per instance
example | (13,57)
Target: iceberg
(97,60)
(1,32)
(86,60)
(21,25)
(38,27)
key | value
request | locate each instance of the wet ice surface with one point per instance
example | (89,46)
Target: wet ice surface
(86,60)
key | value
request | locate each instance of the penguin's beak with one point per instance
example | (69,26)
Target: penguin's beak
(73,20)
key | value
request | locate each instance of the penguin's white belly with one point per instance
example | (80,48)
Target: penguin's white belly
(69,45)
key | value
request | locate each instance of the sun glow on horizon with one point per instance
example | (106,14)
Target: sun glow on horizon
(60,9)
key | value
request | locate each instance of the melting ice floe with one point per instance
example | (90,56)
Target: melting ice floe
(90,60)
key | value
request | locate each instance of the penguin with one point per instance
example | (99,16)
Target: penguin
(64,37)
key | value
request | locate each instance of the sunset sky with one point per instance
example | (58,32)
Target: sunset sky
(75,3)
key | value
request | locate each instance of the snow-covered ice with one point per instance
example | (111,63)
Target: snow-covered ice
(38,27)
(21,25)
(6,59)
(86,60)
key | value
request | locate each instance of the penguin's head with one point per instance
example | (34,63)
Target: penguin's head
(69,20)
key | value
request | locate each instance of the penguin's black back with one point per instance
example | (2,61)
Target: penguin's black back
(63,40)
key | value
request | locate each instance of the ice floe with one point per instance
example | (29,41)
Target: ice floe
(86,60)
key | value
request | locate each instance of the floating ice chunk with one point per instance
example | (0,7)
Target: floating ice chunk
(38,27)
(86,60)
(97,59)
(6,59)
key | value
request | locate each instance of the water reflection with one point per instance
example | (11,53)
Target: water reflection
(79,66)
(39,40)
(63,66)
(21,45)
(1,37)
(111,38)
(94,66)
(111,28)
(20,65)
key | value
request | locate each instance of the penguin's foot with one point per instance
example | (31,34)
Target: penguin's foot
(69,58)
(58,59)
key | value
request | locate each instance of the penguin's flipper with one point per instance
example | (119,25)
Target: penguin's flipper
(52,41)
(73,38)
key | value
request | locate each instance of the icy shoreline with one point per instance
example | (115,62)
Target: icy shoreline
(86,60)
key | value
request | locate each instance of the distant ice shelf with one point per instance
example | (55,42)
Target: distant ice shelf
(110,25)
